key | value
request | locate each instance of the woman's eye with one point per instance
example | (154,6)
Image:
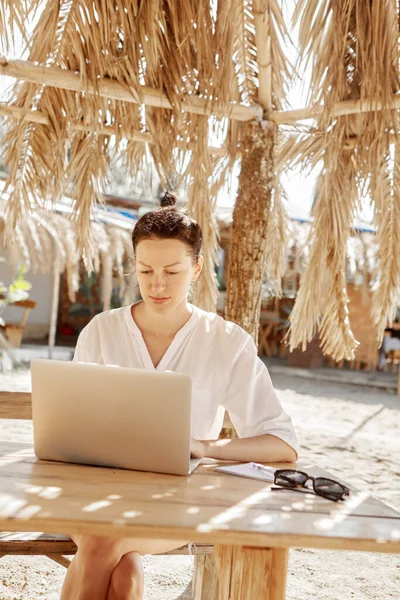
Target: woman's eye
(172,272)
(145,272)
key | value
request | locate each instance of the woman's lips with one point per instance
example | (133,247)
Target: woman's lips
(158,300)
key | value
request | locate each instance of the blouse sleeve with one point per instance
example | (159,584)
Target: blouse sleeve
(88,347)
(251,400)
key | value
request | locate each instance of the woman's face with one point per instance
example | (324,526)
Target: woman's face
(165,271)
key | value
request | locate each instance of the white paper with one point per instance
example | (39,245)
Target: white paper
(250,470)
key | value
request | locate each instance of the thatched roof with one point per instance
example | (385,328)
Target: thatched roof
(45,241)
(151,73)
(144,72)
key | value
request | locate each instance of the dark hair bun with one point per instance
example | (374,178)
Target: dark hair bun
(168,200)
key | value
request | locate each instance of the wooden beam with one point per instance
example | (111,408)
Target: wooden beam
(347,107)
(30,116)
(35,116)
(112,89)
(109,88)
(263,45)
(136,136)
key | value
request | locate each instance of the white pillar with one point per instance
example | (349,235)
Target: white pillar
(54,303)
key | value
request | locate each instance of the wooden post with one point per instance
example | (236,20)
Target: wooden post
(251,573)
(263,43)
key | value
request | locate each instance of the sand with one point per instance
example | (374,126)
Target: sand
(352,431)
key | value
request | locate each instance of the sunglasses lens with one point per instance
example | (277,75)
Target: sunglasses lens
(328,488)
(290,478)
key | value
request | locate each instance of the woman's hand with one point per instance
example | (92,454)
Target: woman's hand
(197,448)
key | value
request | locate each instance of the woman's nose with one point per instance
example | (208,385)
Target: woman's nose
(158,284)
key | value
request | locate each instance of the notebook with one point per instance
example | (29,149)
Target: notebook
(251,470)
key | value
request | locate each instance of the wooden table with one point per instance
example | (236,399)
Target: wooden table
(251,526)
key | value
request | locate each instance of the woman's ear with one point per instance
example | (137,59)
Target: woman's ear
(198,268)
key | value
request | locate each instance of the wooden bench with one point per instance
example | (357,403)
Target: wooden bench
(17,405)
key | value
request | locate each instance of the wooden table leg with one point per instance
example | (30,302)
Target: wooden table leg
(278,573)
(251,573)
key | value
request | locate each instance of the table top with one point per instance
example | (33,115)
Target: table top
(207,506)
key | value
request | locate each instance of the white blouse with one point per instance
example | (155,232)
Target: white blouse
(219,355)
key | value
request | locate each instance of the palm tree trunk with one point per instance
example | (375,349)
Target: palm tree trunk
(249,228)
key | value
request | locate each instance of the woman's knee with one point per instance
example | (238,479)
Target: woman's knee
(97,551)
(127,579)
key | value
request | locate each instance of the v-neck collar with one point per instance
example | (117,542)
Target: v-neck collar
(143,351)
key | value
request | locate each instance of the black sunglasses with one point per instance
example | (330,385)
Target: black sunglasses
(327,488)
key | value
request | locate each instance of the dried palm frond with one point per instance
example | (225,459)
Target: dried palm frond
(201,207)
(321,304)
(353,47)
(276,242)
(386,194)
(122,251)
(19,252)
(282,70)
(35,152)
(63,237)
(53,245)
(85,178)
(13,17)
(244,49)
(300,151)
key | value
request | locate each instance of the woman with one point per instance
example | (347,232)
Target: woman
(164,331)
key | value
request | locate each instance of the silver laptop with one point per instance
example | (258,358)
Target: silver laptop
(112,416)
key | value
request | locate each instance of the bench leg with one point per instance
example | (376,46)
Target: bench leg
(251,573)
(205,578)
(198,574)
(60,559)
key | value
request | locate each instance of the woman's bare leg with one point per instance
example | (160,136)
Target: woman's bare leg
(90,571)
(127,579)
(104,567)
